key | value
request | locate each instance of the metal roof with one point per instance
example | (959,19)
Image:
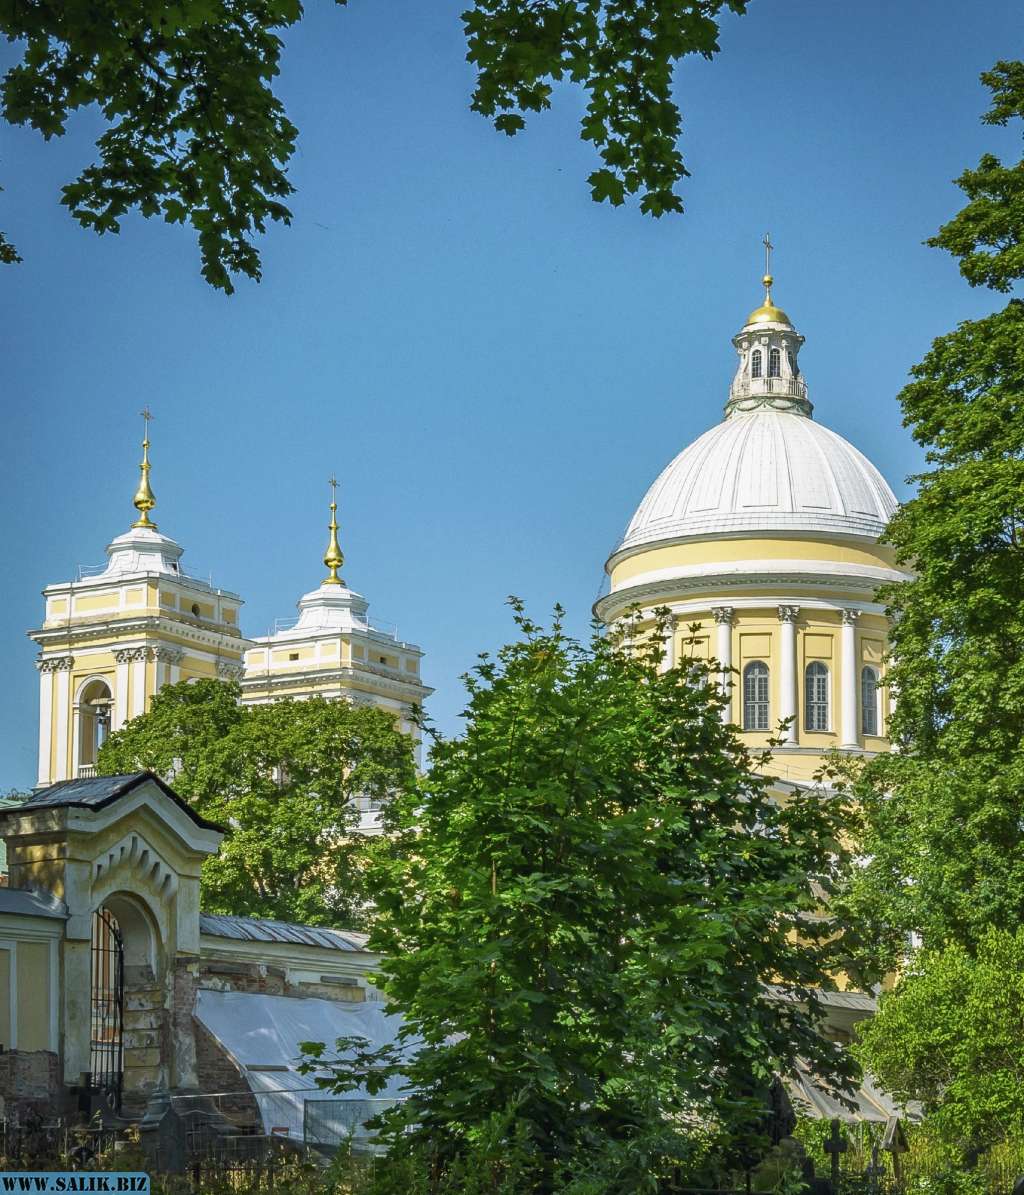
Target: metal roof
(31,904)
(99,791)
(258,929)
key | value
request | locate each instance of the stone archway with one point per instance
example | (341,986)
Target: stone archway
(129,938)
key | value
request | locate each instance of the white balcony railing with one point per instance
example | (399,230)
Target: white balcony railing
(778,387)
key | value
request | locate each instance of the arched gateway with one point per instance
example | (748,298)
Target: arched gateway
(123,854)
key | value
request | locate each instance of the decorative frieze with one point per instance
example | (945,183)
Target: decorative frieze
(129,655)
(56,664)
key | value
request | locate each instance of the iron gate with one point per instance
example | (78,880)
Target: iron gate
(107,1008)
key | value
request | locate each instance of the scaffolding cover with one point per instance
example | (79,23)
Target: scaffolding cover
(262,1036)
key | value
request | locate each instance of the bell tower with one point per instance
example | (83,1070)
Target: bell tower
(114,636)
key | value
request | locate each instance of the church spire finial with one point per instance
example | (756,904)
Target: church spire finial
(768,313)
(144,499)
(768,279)
(333,557)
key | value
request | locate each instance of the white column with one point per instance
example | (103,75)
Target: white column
(63,668)
(138,682)
(723,653)
(668,659)
(119,714)
(45,720)
(848,678)
(788,704)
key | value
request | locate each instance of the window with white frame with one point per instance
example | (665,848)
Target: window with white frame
(755,696)
(869,701)
(774,363)
(816,696)
(755,363)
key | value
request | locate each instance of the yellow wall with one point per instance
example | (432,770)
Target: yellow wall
(31,961)
(756,635)
(33,980)
(733,551)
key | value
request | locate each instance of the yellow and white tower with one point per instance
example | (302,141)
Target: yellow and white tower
(334,650)
(111,639)
(765,532)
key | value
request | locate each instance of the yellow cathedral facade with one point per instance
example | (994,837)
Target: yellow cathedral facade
(112,639)
(764,534)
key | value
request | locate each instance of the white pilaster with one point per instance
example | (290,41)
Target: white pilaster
(849,705)
(119,714)
(788,705)
(62,668)
(138,682)
(45,720)
(723,653)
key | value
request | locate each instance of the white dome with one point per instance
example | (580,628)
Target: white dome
(764,471)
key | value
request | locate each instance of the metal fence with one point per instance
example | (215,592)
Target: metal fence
(328,1123)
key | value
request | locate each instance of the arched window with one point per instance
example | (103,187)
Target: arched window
(816,697)
(868,701)
(94,704)
(774,363)
(755,696)
(755,363)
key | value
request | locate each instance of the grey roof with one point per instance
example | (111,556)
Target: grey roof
(31,904)
(99,791)
(258,929)
(861,1001)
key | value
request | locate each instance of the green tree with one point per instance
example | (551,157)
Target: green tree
(945,838)
(280,778)
(196,134)
(950,1036)
(582,910)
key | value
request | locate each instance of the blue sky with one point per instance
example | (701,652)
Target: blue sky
(495,367)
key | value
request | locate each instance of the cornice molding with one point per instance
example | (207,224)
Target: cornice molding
(254,685)
(687,590)
(115,630)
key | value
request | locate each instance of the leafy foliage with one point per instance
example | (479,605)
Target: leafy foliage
(944,834)
(195,133)
(622,53)
(950,1036)
(280,778)
(581,910)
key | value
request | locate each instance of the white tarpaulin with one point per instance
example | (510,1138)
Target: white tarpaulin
(262,1035)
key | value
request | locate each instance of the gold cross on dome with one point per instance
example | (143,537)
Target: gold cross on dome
(768,247)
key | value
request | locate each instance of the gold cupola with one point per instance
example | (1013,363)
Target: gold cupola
(768,313)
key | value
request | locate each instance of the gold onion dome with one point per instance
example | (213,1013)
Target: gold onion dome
(144,499)
(768,313)
(334,557)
